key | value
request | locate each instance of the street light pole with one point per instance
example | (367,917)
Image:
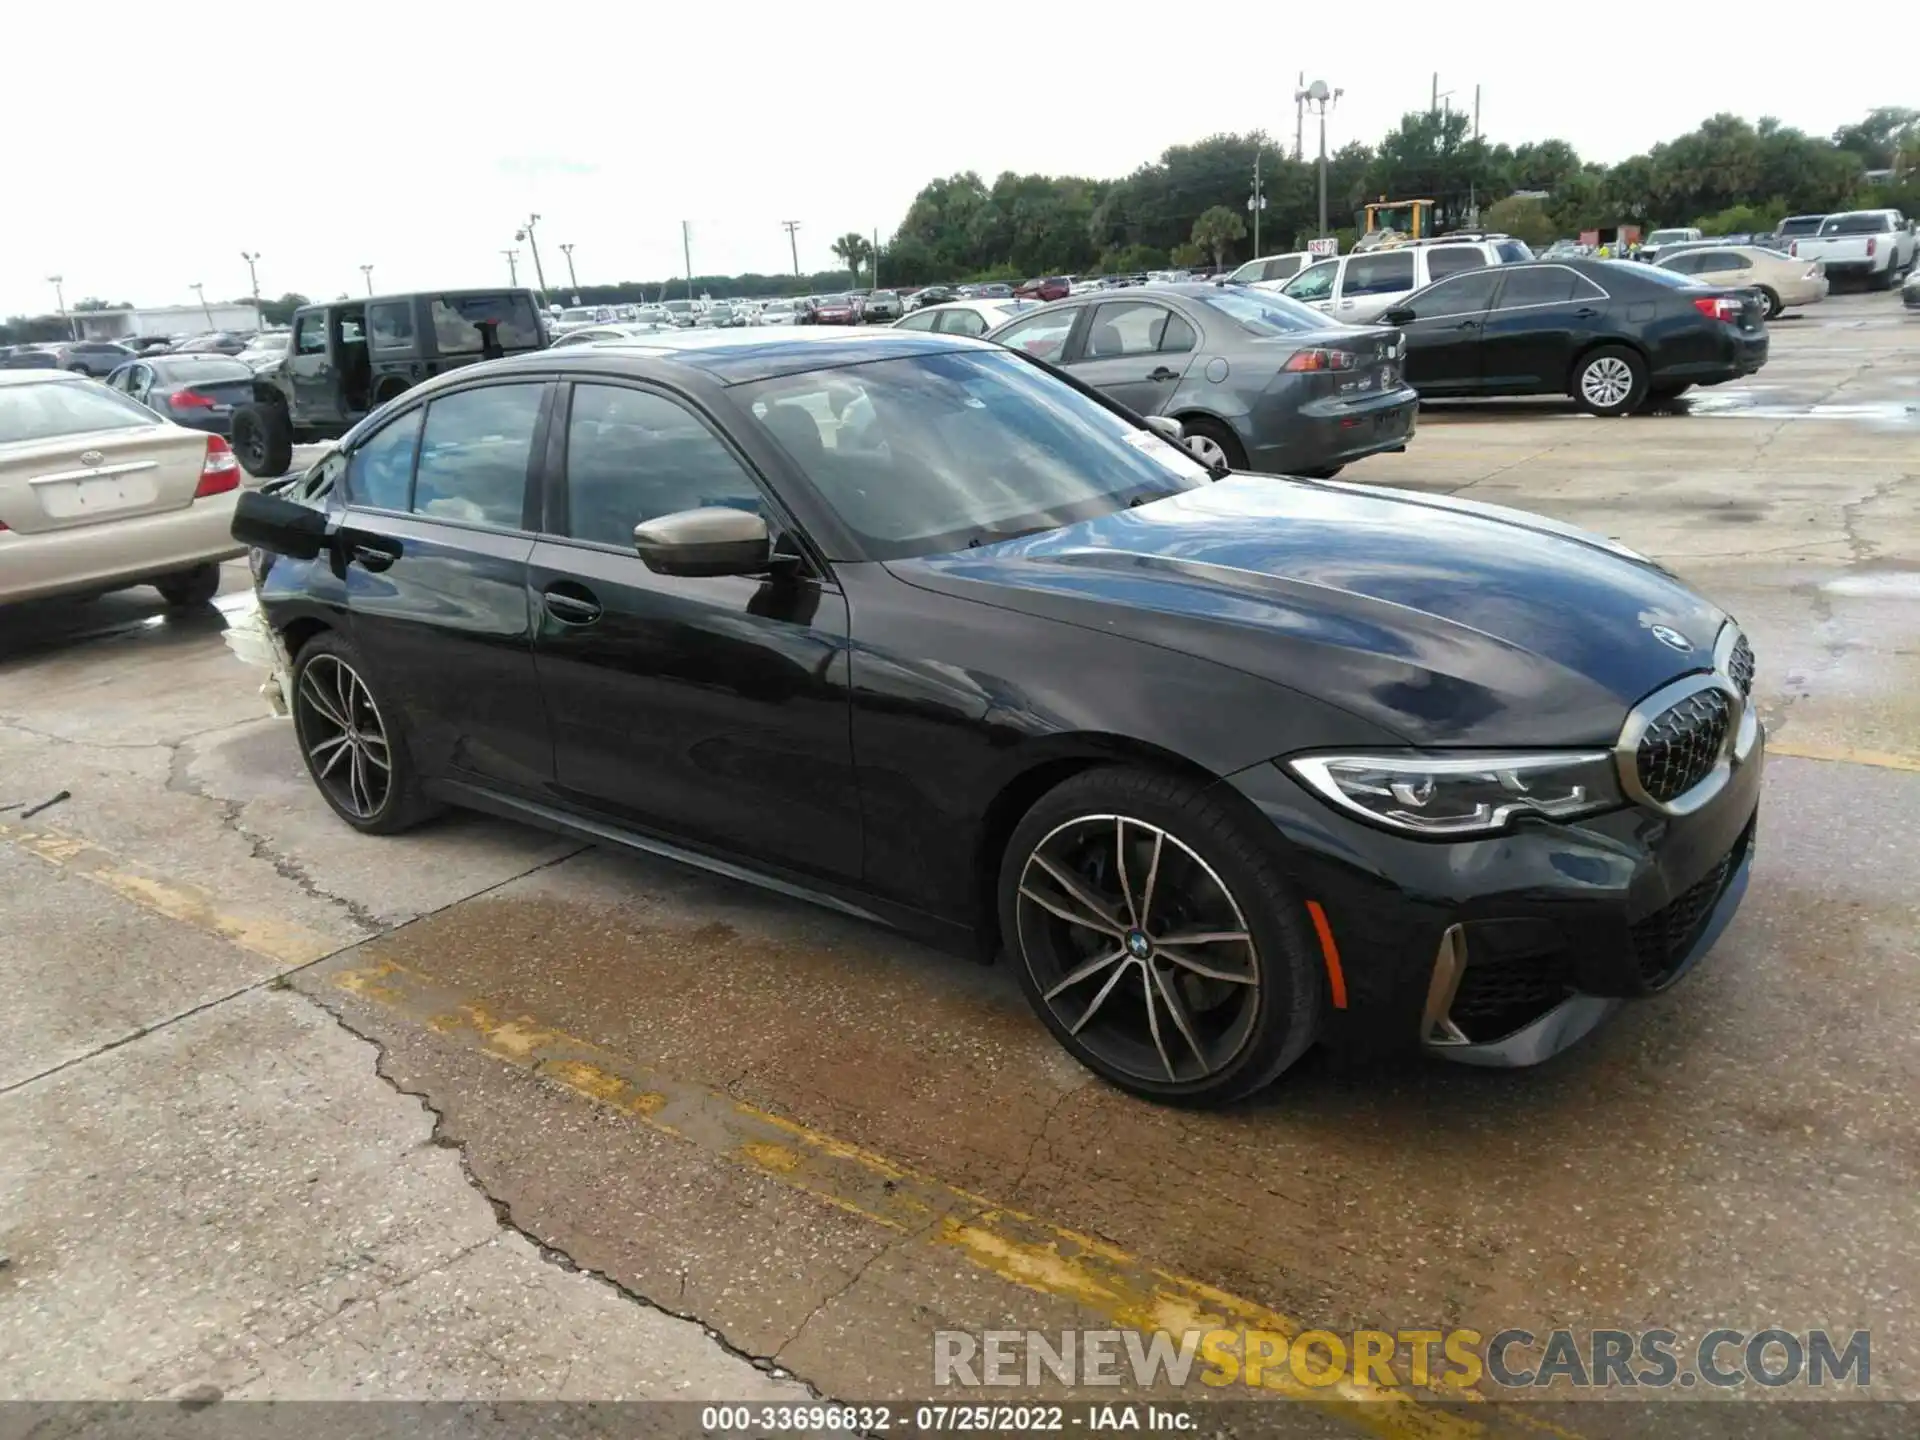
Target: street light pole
(572,279)
(366,272)
(1256,202)
(253,276)
(793,244)
(205,309)
(1317,94)
(526,233)
(513,267)
(60,304)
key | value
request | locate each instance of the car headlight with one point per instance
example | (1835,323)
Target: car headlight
(1432,795)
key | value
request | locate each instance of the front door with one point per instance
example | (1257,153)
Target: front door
(310,370)
(1134,352)
(710,708)
(433,548)
(1542,316)
(1444,334)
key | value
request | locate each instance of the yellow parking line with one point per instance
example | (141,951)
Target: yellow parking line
(1844,755)
(1021,1249)
(278,940)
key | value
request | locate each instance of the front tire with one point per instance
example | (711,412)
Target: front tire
(351,741)
(189,588)
(1213,443)
(1609,381)
(1155,935)
(263,440)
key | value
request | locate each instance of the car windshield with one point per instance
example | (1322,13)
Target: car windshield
(67,407)
(1261,313)
(883,295)
(934,453)
(779,305)
(1659,274)
(836,299)
(1857,225)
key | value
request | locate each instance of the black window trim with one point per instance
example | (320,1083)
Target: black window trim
(532,485)
(1596,291)
(552,520)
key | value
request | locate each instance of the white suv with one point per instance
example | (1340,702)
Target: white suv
(1270,272)
(1358,289)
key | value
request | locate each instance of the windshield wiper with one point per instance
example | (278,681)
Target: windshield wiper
(994,537)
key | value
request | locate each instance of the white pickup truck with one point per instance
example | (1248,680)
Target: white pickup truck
(1876,245)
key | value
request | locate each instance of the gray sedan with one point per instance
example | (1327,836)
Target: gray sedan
(1257,381)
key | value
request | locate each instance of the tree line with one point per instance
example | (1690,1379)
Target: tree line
(1189,206)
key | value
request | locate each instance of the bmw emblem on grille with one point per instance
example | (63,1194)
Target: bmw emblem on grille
(1671,638)
(91,457)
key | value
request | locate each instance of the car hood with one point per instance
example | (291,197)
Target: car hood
(1444,622)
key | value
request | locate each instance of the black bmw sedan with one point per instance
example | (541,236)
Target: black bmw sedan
(920,629)
(1613,334)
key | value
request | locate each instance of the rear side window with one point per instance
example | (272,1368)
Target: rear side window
(633,456)
(962,322)
(1513,252)
(474,453)
(391,326)
(1379,274)
(1126,327)
(380,474)
(457,320)
(1550,285)
(1446,260)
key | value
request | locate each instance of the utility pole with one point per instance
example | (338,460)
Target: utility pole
(1433,107)
(1476,114)
(366,272)
(513,267)
(572,279)
(1256,202)
(201,292)
(686,249)
(793,243)
(250,256)
(875,277)
(60,303)
(526,233)
(1319,95)
(1300,117)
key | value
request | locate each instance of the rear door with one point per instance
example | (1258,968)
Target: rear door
(1542,316)
(713,708)
(79,454)
(1134,352)
(1722,267)
(434,543)
(1372,284)
(1443,337)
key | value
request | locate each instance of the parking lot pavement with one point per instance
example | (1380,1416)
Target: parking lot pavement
(822,1142)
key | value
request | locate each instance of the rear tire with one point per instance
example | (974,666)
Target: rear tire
(351,740)
(190,587)
(1772,297)
(1884,280)
(1199,1021)
(1609,381)
(1210,440)
(263,440)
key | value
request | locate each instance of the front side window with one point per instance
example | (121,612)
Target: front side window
(922,320)
(1313,283)
(380,474)
(1379,274)
(310,335)
(391,325)
(1466,294)
(473,455)
(1042,336)
(1445,260)
(928,454)
(1126,327)
(634,456)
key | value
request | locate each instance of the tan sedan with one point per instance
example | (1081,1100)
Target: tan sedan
(1783,282)
(99,493)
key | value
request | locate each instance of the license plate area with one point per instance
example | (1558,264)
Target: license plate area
(101,495)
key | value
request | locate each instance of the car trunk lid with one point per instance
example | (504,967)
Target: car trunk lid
(86,479)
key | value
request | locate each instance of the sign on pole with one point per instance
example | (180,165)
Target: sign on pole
(1323,248)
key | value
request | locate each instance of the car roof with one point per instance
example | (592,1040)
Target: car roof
(739,357)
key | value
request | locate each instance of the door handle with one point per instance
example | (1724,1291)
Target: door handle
(372,557)
(1585,312)
(1468,325)
(581,609)
(1163,373)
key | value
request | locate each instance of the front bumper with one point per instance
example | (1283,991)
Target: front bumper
(1506,950)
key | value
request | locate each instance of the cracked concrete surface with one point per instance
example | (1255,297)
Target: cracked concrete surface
(209,1183)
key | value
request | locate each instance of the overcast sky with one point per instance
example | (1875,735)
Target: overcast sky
(418,136)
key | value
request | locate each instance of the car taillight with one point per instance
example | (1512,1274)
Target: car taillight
(1873,247)
(1718,307)
(219,472)
(1321,360)
(190,400)
(1813,271)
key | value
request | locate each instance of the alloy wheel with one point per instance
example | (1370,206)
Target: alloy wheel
(1607,382)
(343,736)
(1138,949)
(1206,449)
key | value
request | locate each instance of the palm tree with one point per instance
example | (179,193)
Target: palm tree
(855,249)
(1215,230)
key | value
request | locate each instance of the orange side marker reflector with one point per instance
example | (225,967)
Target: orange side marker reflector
(1336,978)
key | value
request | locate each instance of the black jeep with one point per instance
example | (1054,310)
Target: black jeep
(352,356)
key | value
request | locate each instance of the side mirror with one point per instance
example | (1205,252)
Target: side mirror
(1166,428)
(716,540)
(267,522)
(1398,315)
